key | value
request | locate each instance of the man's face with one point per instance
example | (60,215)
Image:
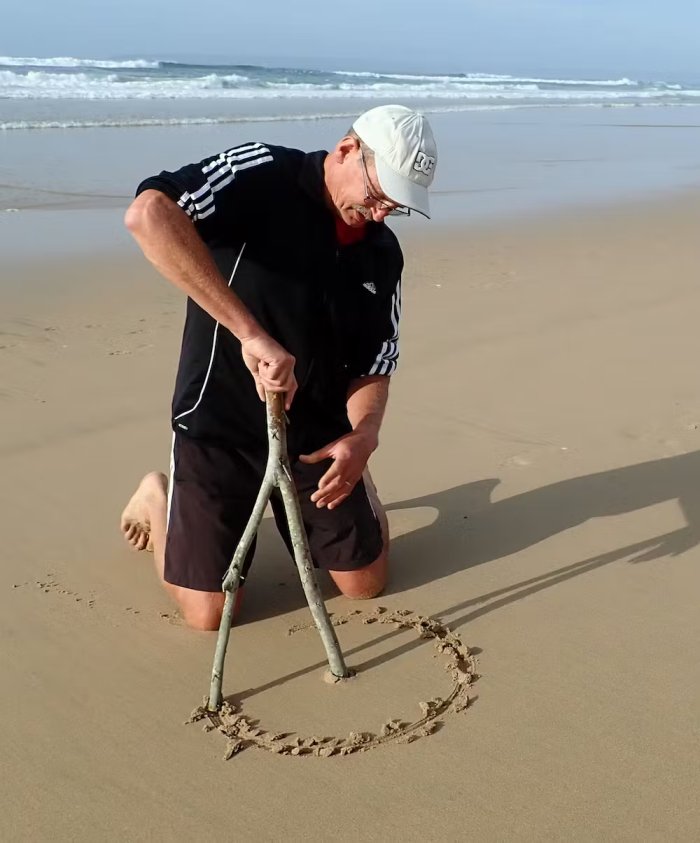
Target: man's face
(353,186)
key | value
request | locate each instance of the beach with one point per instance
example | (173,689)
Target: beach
(539,463)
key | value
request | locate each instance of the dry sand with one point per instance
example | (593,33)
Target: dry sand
(540,462)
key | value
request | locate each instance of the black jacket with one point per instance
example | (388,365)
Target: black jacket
(261,211)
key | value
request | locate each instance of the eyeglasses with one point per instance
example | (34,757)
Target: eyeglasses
(373,201)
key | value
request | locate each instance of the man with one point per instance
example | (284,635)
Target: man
(293,285)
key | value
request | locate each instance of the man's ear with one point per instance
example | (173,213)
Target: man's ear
(344,147)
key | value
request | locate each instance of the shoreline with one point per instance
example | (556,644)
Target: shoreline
(20,271)
(493,166)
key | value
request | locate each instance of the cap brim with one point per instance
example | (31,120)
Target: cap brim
(401,190)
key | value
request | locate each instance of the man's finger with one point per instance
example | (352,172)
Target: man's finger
(291,389)
(259,388)
(272,384)
(331,485)
(329,481)
(333,500)
(316,456)
(278,368)
(289,396)
(336,503)
(288,384)
(337,487)
(331,478)
(266,387)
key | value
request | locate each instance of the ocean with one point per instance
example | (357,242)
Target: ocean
(64,92)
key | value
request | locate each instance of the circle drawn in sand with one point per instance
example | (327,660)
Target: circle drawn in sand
(242,731)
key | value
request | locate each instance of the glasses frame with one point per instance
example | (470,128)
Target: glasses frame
(372,201)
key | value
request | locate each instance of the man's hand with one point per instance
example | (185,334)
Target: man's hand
(271,367)
(350,454)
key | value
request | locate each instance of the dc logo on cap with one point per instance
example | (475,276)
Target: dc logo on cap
(424,163)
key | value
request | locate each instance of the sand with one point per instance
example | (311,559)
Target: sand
(540,464)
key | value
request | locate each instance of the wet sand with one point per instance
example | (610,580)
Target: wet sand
(540,464)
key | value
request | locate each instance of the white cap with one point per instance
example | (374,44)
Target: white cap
(405,154)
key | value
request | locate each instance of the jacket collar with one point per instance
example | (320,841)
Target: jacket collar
(311,175)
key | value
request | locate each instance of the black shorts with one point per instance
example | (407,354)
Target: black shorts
(211,496)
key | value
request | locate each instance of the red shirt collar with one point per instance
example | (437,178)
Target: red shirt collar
(349,234)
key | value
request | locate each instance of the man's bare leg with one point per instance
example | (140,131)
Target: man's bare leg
(144,525)
(369,581)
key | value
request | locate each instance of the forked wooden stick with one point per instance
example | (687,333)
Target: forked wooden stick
(277,474)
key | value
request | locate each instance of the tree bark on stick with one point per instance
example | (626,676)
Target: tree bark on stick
(277,473)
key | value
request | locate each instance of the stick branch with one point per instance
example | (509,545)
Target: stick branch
(277,473)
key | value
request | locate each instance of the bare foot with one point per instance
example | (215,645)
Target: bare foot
(136,518)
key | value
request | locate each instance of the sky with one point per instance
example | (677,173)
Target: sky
(642,38)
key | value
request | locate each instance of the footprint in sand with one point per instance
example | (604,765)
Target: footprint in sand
(48,585)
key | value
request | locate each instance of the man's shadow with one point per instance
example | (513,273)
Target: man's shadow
(471,529)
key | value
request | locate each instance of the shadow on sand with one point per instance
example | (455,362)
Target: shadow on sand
(471,530)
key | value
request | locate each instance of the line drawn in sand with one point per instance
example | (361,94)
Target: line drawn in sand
(242,731)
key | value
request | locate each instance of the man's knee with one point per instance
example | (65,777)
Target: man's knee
(362,591)
(203,620)
(364,583)
(201,610)
(205,617)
